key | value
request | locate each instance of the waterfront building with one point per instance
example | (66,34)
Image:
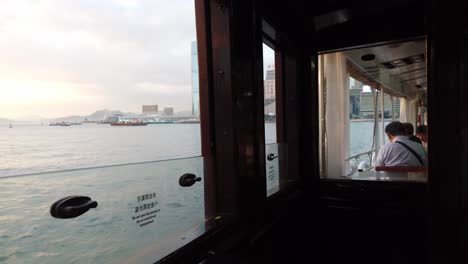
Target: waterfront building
(269,93)
(367,105)
(168,111)
(355,101)
(149,109)
(269,83)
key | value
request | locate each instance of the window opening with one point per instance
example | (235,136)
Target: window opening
(272,148)
(100,100)
(359,95)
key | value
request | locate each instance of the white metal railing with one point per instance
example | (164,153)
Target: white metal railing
(369,152)
(355,157)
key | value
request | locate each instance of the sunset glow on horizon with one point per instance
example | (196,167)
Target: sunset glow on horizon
(64,58)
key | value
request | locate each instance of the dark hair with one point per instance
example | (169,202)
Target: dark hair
(409,129)
(421,129)
(395,128)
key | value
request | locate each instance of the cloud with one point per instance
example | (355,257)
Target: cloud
(124,52)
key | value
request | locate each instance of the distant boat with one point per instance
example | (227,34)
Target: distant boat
(63,123)
(10,126)
(127,123)
(188,121)
(157,121)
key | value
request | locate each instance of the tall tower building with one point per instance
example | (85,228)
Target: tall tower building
(396,106)
(195,90)
(269,83)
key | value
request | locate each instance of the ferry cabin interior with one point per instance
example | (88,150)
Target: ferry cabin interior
(325,209)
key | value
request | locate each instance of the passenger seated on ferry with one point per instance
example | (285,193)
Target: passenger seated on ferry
(409,132)
(400,151)
(421,133)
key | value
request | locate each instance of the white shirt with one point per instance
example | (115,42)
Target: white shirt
(394,154)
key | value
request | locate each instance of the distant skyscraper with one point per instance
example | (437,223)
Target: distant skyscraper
(396,105)
(195,90)
(355,101)
(269,83)
(367,105)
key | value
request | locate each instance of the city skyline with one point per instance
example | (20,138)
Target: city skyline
(70,58)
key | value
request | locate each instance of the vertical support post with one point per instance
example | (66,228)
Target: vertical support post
(322,112)
(375,100)
(310,147)
(291,115)
(206,102)
(334,79)
(247,106)
(382,115)
(448,113)
(225,144)
(392,101)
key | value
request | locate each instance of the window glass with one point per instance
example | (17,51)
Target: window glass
(272,156)
(269,88)
(361,124)
(99,99)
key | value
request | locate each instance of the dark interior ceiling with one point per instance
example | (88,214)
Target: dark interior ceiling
(335,24)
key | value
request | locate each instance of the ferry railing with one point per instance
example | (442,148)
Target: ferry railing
(356,157)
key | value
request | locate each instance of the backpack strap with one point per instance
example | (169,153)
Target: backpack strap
(412,152)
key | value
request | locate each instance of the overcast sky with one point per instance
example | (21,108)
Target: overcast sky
(268,59)
(64,57)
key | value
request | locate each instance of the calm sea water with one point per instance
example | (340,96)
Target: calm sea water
(32,148)
(27,149)
(110,233)
(360,137)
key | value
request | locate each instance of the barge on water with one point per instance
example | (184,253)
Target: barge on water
(127,123)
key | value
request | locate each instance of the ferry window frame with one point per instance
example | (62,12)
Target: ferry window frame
(279,89)
(221,190)
(216,147)
(270,38)
(220,210)
(289,76)
(205,103)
